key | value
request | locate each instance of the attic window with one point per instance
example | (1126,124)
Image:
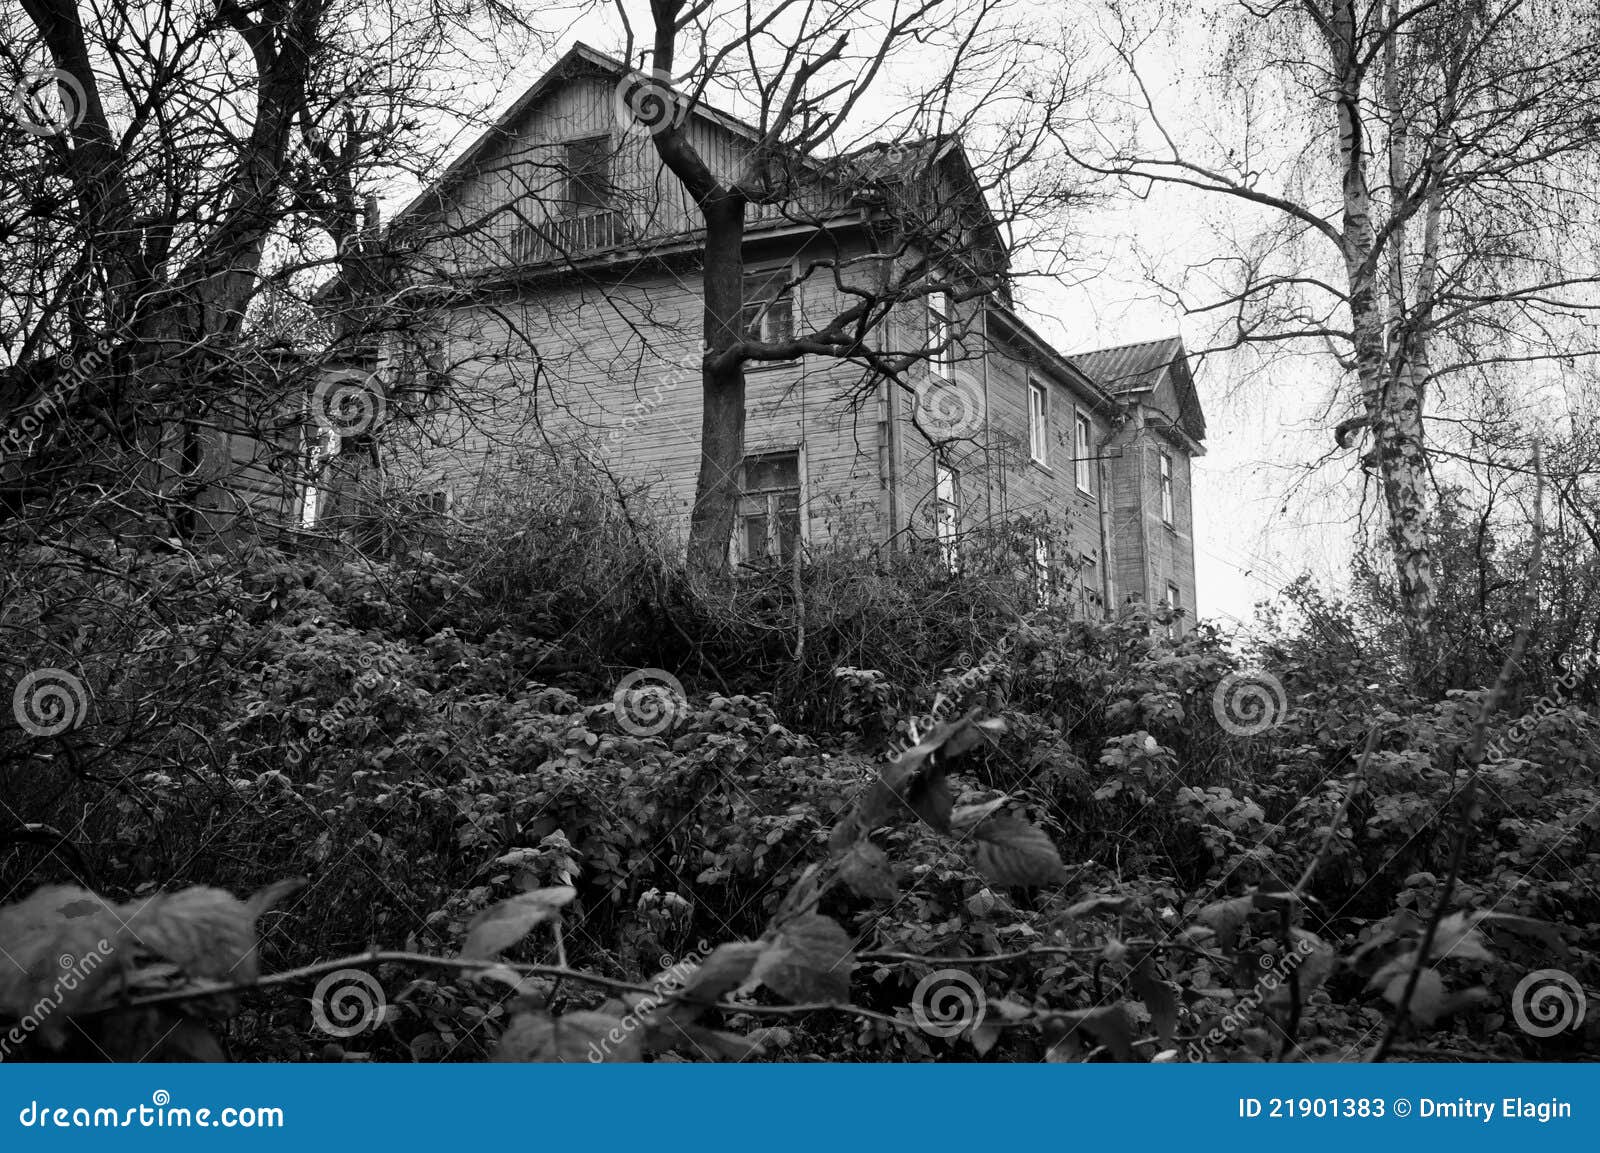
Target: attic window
(588,172)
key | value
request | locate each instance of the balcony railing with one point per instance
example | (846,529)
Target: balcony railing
(561,238)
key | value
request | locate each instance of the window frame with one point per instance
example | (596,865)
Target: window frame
(1038,422)
(766,314)
(1164,475)
(321,445)
(947,512)
(941,328)
(1042,570)
(575,206)
(772,514)
(1083,451)
(1173,605)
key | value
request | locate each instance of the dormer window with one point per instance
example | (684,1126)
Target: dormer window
(588,174)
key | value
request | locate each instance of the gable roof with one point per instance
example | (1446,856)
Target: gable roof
(879,163)
(1135,371)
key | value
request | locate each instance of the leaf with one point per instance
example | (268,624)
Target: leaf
(808,960)
(265,899)
(1159,998)
(1109,1025)
(206,932)
(984,1035)
(724,970)
(867,871)
(1427,1000)
(1013,852)
(1226,918)
(970,816)
(696,1040)
(582,1036)
(1099,903)
(56,924)
(500,926)
(1458,936)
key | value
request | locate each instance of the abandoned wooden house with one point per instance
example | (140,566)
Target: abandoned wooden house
(559,263)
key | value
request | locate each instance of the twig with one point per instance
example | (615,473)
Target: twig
(1475,751)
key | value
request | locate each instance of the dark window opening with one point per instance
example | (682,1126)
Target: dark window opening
(769,506)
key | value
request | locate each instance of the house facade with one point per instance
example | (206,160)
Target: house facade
(561,266)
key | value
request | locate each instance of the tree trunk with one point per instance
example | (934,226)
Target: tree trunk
(722,386)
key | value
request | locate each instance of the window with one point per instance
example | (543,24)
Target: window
(1041,569)
(947,511)
(1083,455)
(319,448)
(1038,422)
(1093,603)
(588,172)
(941,336)
(1166,488)
(1174,603)
(769,507)
(768,305)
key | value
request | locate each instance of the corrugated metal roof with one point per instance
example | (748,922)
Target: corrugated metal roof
(1129,367)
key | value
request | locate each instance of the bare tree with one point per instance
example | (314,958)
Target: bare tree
(1423,174)
(814,82)
(174,176)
